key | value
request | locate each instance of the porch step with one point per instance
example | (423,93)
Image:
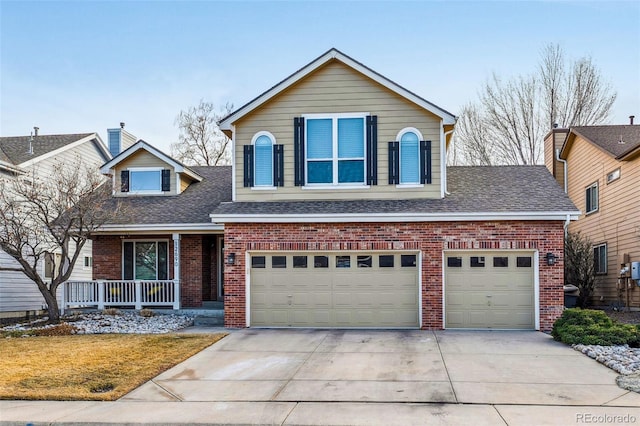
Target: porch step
(208,321)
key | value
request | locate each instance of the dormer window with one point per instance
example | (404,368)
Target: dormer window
(145,180)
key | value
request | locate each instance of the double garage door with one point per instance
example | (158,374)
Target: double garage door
(329,289)
(489,290)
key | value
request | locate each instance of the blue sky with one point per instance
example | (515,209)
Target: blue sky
(70,67)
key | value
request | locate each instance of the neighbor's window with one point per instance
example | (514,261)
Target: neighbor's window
(88,261)
(263,163)
(335,149)
(600,258)
(614,175)
(591,195)
(145,260)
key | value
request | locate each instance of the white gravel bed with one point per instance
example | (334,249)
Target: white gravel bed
(123,322)
(621,358)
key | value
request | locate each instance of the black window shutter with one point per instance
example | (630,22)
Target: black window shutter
(298,154)
(278,165)
(166,180)
(425,162)
(127,261)
(248,166)
(124,181)
(394,162)
(372,150)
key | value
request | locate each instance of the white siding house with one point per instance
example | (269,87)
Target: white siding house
(39,154)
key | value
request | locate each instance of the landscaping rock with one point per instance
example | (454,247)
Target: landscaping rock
(630,382)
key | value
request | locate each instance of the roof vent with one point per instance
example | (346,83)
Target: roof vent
(555,125)
(35,131)
(30,152)
(122,124)
(621,141)
(631,117)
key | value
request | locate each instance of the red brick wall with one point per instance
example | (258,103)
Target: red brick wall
(430,238)
(191,259)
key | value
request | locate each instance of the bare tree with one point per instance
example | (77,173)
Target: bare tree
(513,115)
(579,266)
(40,216)
(201,142)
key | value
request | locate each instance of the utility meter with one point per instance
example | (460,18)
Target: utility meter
(635,271)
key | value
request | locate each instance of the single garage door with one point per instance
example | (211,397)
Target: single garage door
(320,289)
(489,290)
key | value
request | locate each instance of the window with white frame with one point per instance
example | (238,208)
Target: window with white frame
(409,139)
(335,149)
(145,180)
(600,258)
(88,261)
(591,197)
(145,260)
(263,143)
(613,175)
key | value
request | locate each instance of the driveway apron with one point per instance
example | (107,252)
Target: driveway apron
(382,366)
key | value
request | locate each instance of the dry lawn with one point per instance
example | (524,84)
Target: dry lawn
(90,367)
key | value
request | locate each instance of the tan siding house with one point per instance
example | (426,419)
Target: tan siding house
(603,177)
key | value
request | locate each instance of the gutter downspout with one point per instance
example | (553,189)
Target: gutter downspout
(444,139)
(564,162)
(566,225)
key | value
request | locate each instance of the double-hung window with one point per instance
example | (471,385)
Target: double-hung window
(591,197)
(600,258)
(335,149)
(145,260)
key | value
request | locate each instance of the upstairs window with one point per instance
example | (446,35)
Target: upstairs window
(263,146)
(409,156)
(145,180)
(335,150)
(591,196)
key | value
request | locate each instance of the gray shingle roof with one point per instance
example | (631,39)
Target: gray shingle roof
(496,189)
(16,148)
(192,206)
(609,137)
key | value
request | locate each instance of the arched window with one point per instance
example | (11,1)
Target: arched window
(263,145)
(409,155)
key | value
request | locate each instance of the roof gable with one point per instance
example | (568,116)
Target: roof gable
(334,55)
(618,141)
(26,150)
(142,145)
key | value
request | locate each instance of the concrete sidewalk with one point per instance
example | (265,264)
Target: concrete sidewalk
(363,377)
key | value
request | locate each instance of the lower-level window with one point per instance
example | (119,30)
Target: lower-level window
(145,260)
(600,258)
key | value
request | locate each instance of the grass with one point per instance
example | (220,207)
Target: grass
(90,367)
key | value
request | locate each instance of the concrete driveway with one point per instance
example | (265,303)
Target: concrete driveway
(471,367)
(338,377)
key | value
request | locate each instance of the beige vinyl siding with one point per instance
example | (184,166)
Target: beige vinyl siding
(85,154)
(17,292)
(143,158)
(617,221)
(336,88)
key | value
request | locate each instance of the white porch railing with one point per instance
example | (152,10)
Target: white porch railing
(138,294)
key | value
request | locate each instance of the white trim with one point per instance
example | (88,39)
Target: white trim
(233,163)
(409,185)
(392,217)
(11,168)
(536,287)
(100,145)
(255,162)
(264,188)
(178,167)
(332,54)
(220,260)
(313,186)
(443,161)
(407,130)
(419,265)
(247,286)
(160,227)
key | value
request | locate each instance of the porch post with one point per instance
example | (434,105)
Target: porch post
(101,290)
(176,270)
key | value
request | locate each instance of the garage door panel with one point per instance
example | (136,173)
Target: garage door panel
(498,295)
(361,294)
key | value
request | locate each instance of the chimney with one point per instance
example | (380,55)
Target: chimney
(631,117)
(119,139)
(35,130)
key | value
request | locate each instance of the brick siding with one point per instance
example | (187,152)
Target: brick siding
(430,238)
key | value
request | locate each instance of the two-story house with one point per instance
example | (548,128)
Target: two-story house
(39,155)
(599,167)
(339,211)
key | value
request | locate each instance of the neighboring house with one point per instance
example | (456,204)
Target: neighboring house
(39,154)
(339,211)
(603,179)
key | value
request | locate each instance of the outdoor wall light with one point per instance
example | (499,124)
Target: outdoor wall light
(231,259)
(551,259)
